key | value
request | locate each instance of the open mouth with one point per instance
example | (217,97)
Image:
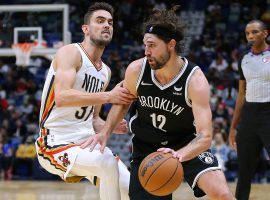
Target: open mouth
(106,32)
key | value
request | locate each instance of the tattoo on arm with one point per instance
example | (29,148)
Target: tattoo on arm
(198,137)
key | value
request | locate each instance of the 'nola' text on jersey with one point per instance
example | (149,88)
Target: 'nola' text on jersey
(160,103)
(92,83)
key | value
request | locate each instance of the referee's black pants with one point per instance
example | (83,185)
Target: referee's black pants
(253,134)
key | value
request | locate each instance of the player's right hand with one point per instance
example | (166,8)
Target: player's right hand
(232,138)
(120,95)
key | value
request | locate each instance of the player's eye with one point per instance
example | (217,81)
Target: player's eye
(110,23)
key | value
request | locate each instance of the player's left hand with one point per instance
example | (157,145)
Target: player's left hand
(93,140)
(175,154)
(121,128)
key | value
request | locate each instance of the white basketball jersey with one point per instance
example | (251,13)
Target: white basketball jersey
(71,124)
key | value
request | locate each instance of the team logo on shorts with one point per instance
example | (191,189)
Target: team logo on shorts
(206,157)
(64,159)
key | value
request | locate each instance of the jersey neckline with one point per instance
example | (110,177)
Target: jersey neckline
(173,81)
(88,56)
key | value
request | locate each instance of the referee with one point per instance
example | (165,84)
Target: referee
(252,110)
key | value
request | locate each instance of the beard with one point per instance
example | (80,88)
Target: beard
(158,63)
(101,41)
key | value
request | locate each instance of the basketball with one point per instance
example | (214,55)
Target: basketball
(160,174)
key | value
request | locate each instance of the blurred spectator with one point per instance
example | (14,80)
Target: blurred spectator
(220,115)
(7,159)
(3,93)
(25,155)
(4,68)
(1,156)
(219,63)
(220,149)
(20,130)
(26,108)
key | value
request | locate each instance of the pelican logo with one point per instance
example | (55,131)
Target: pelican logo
(206,157)
(64,159)
(151,163)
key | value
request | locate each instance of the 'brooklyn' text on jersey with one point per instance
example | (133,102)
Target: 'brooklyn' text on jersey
(160,103)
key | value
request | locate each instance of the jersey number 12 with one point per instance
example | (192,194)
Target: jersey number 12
(158,121)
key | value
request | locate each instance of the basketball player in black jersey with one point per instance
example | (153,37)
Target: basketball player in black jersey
(172,113)
(252,107)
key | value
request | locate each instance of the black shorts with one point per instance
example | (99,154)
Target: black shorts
(193,169)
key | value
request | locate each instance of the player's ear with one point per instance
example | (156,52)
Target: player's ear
(265,32)
(85,29)
(172,44)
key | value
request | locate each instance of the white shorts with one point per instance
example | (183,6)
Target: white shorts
(60,160)
(72,163)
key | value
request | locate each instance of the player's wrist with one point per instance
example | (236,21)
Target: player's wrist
(107,97)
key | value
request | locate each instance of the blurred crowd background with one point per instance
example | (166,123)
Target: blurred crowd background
(214,39)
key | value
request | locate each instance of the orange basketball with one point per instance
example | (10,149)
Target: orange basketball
(160,174)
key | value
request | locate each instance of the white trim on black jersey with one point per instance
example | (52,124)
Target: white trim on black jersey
(141,74)
(162,87)
(131,120)
(189,103)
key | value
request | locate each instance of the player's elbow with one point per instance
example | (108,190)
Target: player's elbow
(207,141)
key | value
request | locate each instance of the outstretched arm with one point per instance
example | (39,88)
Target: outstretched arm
(98,123)
(117,112)
(66,64)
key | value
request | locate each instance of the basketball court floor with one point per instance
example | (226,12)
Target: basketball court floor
(58,190)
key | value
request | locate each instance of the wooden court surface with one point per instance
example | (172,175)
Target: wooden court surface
(58,190)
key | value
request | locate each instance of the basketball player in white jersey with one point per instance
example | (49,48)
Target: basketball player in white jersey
(72,96)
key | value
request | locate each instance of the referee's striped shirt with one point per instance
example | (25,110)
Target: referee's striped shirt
(255,69)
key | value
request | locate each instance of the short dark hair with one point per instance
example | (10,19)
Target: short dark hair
(97,6)
(262,24)
(167,19)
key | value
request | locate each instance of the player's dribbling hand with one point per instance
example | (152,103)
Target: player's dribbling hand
(92,141)
(232,140)
(175,154)
(121,128)
(120,95)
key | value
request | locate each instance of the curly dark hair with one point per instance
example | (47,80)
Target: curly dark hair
(97,6)
(169,20)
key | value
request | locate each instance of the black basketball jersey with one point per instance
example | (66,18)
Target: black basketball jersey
(163,115)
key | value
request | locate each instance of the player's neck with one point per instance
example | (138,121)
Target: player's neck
(93,51)
(171,69)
